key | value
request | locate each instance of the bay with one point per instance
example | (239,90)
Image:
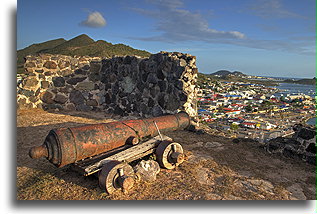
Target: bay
(289,88)
(311,121)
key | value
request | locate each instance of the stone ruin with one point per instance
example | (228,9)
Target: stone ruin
(164,83)
(302,145)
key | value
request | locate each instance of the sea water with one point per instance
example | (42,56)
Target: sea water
(291,89)
(312,121)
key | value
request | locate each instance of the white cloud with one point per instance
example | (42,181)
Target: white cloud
(178,24)
(272,9)
(95,20)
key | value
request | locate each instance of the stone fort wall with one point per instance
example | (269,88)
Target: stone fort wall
(164,83)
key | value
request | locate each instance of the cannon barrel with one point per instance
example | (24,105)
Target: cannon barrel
(67,145)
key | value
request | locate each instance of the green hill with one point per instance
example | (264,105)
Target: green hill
(34,49)
(302,81)
(81,45)
(67,47)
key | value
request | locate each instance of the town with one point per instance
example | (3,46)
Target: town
(239,109)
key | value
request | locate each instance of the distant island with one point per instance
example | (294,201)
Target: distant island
(238,76)
(81,45)
(223,73)
(302,81)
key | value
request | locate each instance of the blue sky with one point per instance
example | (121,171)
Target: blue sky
(260,37)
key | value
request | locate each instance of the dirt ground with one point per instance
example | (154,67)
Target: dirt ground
(215,168)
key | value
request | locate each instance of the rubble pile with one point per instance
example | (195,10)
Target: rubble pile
(302,145)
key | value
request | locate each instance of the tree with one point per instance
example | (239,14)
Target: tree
(248,108)
(234,127)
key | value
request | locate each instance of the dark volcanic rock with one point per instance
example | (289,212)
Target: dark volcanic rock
(37,92)
(41,77)
(107,86)
(140,86)
(58,81)
(156,111)
(154,91)
(48,73)
(118,111)
(66,73)
(306,133)
(301,146)
(144,76)
(162,85)
(52,106)
(85,86)
(67,89)
(161,100)
(95,67)
(75,80)
(50,65)
(80,71)
(276,145)
(83,107)
(45,84)
(29,65)
(107,98)
(63,64)
(30,82)
(311,148)
(160,74)
(76,97)
(70,107)
(60,98)
(27,93)
(151,78)
(144,109)
(179,84)
(172,102)
(92,102)
(127,60)
(85,67)
(112,78)
(115,88)
(47,97)
(33,99)
(94,77)
(150,103)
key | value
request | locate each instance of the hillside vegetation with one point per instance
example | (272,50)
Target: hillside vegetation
(81,45)
(302,81)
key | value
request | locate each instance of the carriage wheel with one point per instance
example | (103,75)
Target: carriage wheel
(116,175)
(169,154)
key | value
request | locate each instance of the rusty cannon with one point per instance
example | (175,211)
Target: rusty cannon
(107,148)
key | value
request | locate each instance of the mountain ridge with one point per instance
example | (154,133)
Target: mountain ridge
(81,45)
